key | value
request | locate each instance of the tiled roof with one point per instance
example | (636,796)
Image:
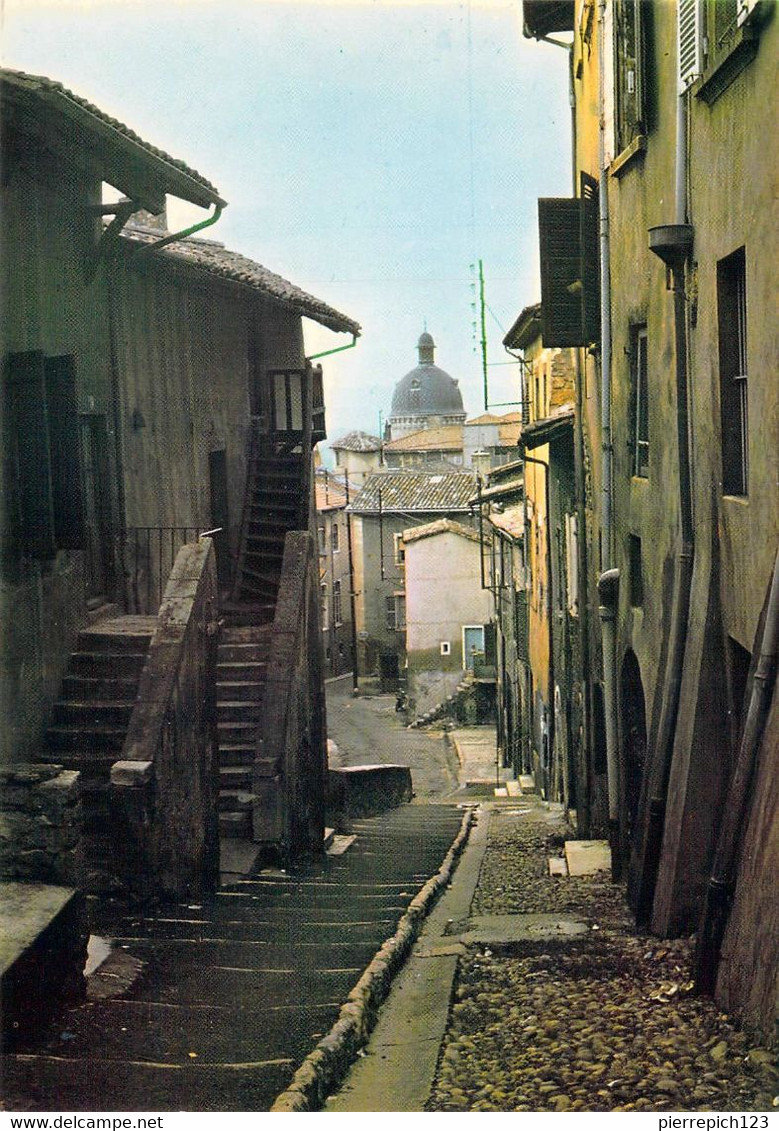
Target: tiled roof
(410,491)
(116,145)
(440,526)
(508,434)
(526,328)
(330,493)
(493,418)
(215,259)
(543,431)
(447,438)
(511,521)
(357,442)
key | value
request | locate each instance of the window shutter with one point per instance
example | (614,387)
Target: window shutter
(60,374)
(746,9)
(590,258)
(27,394)
(559,226)
(690,42)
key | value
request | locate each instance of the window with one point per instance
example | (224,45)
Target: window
(323,592)
(446,648)
(631,20)
(732,321)
(395,612)
(639,385)
(320,530)
(400,549)
(635,572)
(41,448)
(337,611)
(717,39)
(335,538)
(572,563)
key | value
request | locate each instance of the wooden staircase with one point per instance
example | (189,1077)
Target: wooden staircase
(274,505)
(89,722)
(241,671)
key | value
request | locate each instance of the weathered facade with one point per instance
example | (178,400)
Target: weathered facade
(448,610)
(335,573)
(658,271)
(387,505)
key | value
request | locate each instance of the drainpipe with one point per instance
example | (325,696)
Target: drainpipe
(718,897)
(549,595)
(352,598)
(144,249)
(338,349)
(608,593)
(608,582)
(672,243)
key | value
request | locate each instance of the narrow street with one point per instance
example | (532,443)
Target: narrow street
(367,730)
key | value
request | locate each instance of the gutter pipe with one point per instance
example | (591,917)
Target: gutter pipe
(352,597)
(338,349)
(143,249)
(716,908)
(672,243)
(608,583)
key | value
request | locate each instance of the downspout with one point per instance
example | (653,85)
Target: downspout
(672,243)
(607,583)
(352,599)
(143,249)
(549,595)
(338,349)
(716,908)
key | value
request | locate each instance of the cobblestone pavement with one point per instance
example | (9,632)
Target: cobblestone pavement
(607,1023)
(368,730)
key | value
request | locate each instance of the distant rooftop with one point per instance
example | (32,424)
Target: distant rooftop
(440,526)
(357,442)
(447,438)
(411,491)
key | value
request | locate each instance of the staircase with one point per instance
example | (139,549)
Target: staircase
(273,506)
(89,721)
(240,678)
(452,707)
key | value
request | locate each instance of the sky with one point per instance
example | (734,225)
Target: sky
(372,152)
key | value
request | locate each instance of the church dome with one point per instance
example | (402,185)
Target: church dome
(427,390)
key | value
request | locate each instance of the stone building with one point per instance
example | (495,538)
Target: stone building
(335,572)
(388,504)
(658,272)
(357,455)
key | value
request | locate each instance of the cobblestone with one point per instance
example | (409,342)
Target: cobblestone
(609,1023)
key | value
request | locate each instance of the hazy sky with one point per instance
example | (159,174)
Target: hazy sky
(369,152)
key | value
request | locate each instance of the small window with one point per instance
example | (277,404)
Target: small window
(400,549)
(390,619)
(639,381)
(734,405)
(337,609)
(323,592)
(635,572)
(335,538)
(321,540)
(446,648)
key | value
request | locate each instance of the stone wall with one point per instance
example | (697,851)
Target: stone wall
(164,790)
(40,824)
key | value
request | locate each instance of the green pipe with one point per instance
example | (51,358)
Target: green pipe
(182,235)
(338,349)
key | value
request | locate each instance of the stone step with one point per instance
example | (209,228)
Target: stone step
(236,754)
(87,688)
(98,740)
(233,777)
(97,713)
(46,1083)
(236,732)
(240,681)
(236,801)
(105,665)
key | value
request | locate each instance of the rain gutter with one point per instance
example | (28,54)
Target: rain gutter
(338,349)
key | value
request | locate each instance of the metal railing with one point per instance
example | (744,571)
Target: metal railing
(149,554)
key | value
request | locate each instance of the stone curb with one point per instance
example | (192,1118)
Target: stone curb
(329,1062)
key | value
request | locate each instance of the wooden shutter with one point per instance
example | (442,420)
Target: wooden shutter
(690,41)
(27,395)
(746,8)
(559,228)
(589,244)
(60,375)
